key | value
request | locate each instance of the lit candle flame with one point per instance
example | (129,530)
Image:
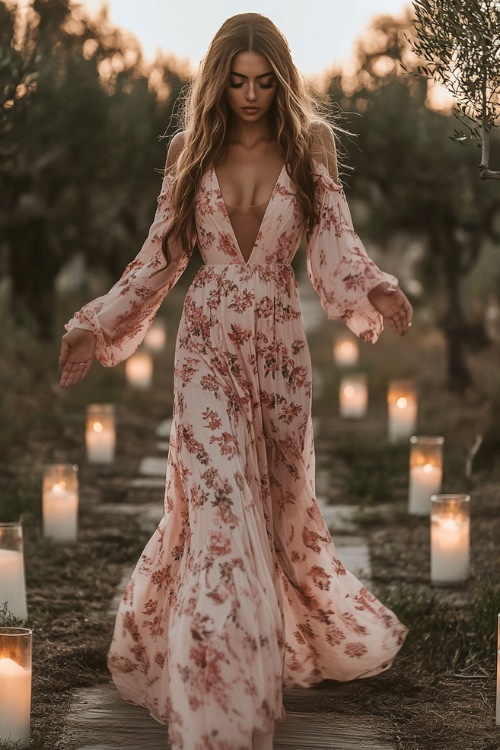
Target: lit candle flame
(97,427)
(402,403)
(349,391)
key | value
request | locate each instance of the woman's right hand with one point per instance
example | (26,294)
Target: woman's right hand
(77,354)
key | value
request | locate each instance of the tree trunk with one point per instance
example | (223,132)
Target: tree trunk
(33,275)
(454,322)
(455,330)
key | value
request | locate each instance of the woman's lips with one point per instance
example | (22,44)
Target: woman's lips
(250,109)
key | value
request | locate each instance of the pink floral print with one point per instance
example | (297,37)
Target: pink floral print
(240,589)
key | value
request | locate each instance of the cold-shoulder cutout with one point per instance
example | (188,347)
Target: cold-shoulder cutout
(175,150)
(323,149)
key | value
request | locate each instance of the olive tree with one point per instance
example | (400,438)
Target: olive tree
(459,42)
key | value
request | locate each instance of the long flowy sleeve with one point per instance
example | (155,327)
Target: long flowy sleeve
(338,266)
(121,318)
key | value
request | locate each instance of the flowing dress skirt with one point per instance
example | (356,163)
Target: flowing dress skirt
(240,589)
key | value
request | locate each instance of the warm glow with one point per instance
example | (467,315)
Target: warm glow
(428,468)
(10,668)
(333,26)
(349,391)
(97,427)
(402,403)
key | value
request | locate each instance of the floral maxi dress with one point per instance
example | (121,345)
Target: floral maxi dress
(240,589)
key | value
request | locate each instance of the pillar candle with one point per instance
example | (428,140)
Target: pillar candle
(15,686)
(346,352)
(139,370)
(156,337)
(100,433)
(353,396)
(450,534)
(402,405)
(12,581)
(426,472)
(60,502)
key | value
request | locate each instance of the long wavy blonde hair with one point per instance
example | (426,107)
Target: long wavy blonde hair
(206,118)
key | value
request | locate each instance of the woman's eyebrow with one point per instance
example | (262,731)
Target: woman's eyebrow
(240,75)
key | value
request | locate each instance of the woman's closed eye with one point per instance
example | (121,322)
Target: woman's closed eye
(235,85)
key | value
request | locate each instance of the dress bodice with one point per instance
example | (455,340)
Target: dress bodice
(277,227)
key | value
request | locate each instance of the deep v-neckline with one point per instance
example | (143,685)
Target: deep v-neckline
(228,220)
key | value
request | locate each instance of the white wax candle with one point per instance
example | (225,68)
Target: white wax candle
(424,481)
(155,339)
(60,514)
(101,442)
(12,585)
(346,353)
(353,398)
(449,549)
(15,702)
(139,370)
(402,418)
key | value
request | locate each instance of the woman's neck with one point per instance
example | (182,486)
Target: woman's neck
(249,135)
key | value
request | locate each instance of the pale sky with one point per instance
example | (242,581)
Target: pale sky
(320,33)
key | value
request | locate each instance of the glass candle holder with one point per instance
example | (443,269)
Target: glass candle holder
(12,581)
(100,433)
(426,472)
(60,503)
(345,352)
(15,685)
(139,370)
(353,396)
(156,337)
(450,538)
(402,409)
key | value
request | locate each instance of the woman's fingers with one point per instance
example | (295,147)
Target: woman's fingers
(77,354)
(401,319)
(73,372)
(65,348)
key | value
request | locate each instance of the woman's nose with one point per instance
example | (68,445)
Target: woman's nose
(251,95)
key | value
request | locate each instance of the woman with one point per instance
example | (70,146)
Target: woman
(240,589)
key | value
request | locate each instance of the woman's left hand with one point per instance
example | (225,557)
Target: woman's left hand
(393,305)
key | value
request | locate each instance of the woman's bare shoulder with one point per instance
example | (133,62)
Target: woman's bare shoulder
(175,150)
(323,149)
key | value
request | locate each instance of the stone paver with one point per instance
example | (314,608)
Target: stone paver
(153,466)
(148,483)
(163,429)
(99,720)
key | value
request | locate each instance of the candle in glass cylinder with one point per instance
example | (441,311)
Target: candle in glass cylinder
(345,352)
(450,538)
(139,370)
(353,396)
(100,433)
(15,686)
(156,337)
(12,581)
(402,407)
(426,472)
(60,503)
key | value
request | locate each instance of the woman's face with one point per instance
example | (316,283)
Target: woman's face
(252,86)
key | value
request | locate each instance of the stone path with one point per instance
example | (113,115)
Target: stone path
(102,721)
